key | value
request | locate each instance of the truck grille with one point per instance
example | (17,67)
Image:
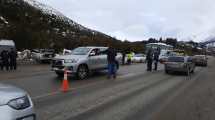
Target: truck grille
(57,63)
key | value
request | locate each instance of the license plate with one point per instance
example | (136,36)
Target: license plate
(175,65)
(28,118)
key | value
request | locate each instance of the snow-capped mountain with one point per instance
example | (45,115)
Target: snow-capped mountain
(35,24)
(52,12)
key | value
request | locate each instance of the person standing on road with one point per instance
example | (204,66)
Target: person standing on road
(129,55)
(13,56)
(156,58)
(149,59)
(111,57)
(1,60)
(5,60)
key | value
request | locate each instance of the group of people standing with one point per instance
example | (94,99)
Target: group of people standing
(8,60)
(152,56)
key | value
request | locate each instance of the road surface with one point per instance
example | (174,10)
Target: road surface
(135,94)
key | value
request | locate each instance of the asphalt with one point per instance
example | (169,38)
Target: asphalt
(135,94)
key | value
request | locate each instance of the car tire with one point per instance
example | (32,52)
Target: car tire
(167,71)
(82,72)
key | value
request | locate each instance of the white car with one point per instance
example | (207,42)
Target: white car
(138,58)
(82,61)
(15,104)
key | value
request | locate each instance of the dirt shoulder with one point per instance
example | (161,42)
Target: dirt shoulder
(196,103)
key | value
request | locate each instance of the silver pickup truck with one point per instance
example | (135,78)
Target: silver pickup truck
(82,61)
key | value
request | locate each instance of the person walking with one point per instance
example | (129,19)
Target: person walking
(156,59)
(111,57)
(12,56)
(5,60)
(149,59)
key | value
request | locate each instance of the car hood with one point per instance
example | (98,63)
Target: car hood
(9,92)
(70,57)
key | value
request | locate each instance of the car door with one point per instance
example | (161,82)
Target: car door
(94,59)
(103,58)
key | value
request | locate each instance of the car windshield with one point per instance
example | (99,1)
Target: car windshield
(80,51)
(176,59)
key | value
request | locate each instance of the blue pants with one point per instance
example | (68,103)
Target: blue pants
(111,69)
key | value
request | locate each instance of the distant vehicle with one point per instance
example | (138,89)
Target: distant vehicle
(138,58)
(180,64)
(15,104)
(200,60)
(6,45)
(164,54)
(161,46)
(82,61)
(43,55)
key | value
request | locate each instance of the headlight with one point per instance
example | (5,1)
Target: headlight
(70,61)
(20,103)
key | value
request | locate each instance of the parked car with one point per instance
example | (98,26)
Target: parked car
(82,61)
(180,64)
(138,58)
(43,55)
(15,104)
(200,60)
(6,45)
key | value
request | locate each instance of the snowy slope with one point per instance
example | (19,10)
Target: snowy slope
(52,12)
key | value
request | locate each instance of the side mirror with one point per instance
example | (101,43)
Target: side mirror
(92,54)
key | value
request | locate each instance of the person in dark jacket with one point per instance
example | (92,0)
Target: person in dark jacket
(12,56)
(149,59)
(5,60)
(156,58)
(111,58)
(1,60)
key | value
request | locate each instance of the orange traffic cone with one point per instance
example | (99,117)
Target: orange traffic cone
(65,84)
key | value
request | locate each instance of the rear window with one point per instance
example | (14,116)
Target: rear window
(176,59)
(200,56)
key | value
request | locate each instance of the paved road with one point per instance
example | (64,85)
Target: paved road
(135,94)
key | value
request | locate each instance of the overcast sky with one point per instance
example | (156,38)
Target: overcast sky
(140,19)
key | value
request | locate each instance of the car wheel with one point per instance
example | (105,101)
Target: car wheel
(82,72)
(167,71)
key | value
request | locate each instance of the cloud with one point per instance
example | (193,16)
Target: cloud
(141,19)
